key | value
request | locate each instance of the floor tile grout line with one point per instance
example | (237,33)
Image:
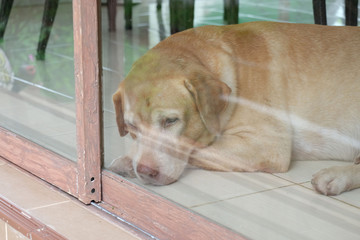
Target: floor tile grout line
(344,202)
(332,197)
(241,195)
(271,189)
(288,180)
(48,205)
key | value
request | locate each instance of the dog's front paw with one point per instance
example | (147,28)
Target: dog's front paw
(331,181)
(123,166)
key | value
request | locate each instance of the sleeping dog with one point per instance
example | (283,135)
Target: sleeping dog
(247,97)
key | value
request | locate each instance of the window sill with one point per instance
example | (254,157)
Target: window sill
(54,210)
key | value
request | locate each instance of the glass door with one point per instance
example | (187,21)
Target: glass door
(246,203)
(37,74)
(50,120)
(147,206)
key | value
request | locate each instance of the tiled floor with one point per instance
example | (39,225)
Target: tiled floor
(9,233)
(260,206)
(266,206)
(55,209)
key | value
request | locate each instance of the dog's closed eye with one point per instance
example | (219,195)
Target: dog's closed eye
(168,122)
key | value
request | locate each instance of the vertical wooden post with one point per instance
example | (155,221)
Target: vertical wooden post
(88,87)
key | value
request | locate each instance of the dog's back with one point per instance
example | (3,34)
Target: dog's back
(323,84)
(313,75)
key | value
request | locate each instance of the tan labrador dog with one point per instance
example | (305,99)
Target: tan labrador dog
(247,97)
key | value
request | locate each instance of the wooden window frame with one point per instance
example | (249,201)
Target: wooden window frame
(85,178)
(88,92)
(82,179)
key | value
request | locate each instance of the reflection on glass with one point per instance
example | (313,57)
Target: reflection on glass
(258,205)
(37,83)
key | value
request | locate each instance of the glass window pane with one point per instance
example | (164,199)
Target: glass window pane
(37,87)
(258,205)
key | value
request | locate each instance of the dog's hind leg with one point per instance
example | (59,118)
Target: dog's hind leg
(335,180)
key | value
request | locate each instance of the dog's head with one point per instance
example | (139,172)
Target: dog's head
(169,107)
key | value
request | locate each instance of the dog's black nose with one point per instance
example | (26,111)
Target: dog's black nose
(146,171)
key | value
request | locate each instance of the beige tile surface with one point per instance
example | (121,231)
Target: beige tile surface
(302,171)
(55,209)
(13,234)
(9,233)
(291,212)
(2,229)
(25,191)
(76,222)
(266,206)
(2,162)
(197,187)
(350,197)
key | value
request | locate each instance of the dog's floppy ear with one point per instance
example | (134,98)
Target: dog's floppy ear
(210,96)
(118,103)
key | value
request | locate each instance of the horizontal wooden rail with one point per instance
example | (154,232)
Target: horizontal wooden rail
(26,224)
(155,214)
(43,163)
